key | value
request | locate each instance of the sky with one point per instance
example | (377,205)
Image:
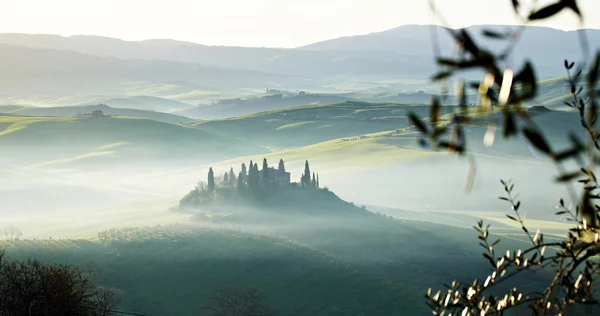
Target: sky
(258,23)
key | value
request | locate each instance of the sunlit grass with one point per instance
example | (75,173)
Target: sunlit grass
(294,125)
(19,123)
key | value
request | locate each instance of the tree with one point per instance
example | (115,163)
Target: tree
(97,113)
(281,166)
(211,180)
(318,186)
(265,172)
(240,182)
(571,261)
(244,175)
(200,186)
(232,176)
(34,288)
(253,177)
(306,175)
(250,180)
(12,232)
(256,177)
(314,180)
(226,179)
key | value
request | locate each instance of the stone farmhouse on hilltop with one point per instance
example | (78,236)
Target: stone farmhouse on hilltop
(276,176)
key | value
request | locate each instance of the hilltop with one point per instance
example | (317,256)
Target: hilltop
(266,195)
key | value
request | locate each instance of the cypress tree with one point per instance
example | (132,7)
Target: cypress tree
(226,178)
(211,180)
(306,178)
(240,182)
(265,172)
(256,178)
(318,186)
(314,180)
(231,176)
(281,167)
(243,173)
(251,177)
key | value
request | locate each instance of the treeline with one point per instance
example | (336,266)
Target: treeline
(250,182)
(250,178)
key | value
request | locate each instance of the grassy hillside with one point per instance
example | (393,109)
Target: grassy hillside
(226,108)
(355,268)
(119,141)
(143,102)
(304,125)
(107,110)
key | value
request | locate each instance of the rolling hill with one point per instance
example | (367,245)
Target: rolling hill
(402,52)
(549,47)
(305,125)
(227,108)
(82,109)
(286,61)
(47,72)
(144,102)
(110,143)
(384,67)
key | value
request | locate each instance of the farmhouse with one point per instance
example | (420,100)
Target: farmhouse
(280,178)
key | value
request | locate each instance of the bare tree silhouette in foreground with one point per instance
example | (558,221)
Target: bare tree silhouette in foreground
(34,288)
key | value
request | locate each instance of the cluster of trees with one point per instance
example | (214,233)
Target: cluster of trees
(12,232)
(35,288)
(253,178)
(249,182)
(306,179)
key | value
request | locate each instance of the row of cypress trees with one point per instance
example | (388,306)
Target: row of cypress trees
(250,178)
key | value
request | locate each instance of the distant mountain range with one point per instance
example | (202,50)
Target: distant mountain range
(394,60)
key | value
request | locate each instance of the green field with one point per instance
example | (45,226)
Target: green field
(341,269)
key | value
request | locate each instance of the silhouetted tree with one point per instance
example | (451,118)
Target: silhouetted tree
(226,179)
(306,176)
(211,180)
(281,166)
(253,178)
(250,180)
(256,177)
(265,172)
(34,288)
(240,182)
(244,174)
(318,186)
(232,176)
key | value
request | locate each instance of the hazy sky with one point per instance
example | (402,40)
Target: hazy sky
(268,23)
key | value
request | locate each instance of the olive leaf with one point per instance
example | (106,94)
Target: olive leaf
(548,11)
